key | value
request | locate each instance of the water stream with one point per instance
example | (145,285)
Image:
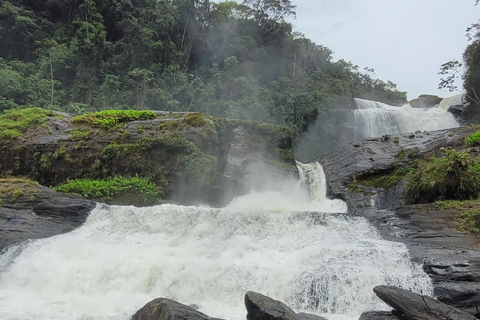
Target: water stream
(296,246)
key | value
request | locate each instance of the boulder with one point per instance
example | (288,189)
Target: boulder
(31,211)
(261,307)
(166,309)
(425,101)
(419,307)
(378,315)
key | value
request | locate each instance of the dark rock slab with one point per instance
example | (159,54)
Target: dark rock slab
(166,309)
(261,307)
(378,315)
(425,101)
(38,212)
(414,306)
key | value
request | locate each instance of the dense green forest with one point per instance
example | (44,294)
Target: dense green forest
(226,59)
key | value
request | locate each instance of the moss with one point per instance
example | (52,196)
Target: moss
(111,119)
(81,134)
(196,119)
(16,194)
(119,190)
(15,123)
(171,125)
(385,179)
(401,154)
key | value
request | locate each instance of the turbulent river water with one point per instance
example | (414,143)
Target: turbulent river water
(292,244)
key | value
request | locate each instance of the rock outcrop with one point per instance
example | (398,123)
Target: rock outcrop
(425,101)
(31,211)
(450,257)
(192,156)
(410,305)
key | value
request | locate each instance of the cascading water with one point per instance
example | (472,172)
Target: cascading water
(308,253)
(374,119)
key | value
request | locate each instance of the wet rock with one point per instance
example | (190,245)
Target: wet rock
(378,315)
(261,307)
(166,309)
(414,306)
(425,101)
(30,211)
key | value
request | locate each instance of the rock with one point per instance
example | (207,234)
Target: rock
(414,306)
(166,309)
(378,315)
(260,307)
(309,316)
(191,156)
(425,101)
(31,211)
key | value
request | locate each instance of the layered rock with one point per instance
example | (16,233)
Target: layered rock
(31,211)
(450,257)
(425,101)
(192,156)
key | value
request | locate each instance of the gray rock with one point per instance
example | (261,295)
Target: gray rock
(261,307)
(425,101)
(166,309)
(38,212)
(378,315)
(414,306)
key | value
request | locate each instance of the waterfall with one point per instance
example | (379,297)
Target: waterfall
(374,119)
(292,244)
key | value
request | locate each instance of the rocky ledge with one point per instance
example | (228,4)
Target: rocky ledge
(31,211)
(450,257)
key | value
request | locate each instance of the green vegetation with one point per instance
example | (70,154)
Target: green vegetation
(455,176)
(382,179)
(230,60)
(14,123)
(109,119)
(473,139)
(81,134)
(119,190)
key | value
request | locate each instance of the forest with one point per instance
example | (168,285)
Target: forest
(227,59)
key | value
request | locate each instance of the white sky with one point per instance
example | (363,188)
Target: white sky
(405,41)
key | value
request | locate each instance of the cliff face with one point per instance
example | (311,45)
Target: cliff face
(191,156)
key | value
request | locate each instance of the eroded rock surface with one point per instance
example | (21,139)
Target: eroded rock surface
(29,211)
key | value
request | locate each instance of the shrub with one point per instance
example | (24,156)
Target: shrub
(455,176)
(119,190)
(109,119)
(473,139)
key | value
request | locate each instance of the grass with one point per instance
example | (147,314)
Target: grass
(382,179)
(14,123)
(110,119)
(119,189)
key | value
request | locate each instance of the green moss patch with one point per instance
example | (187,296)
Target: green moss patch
(119,190)
(385,179)
(110,119)
(473,139)
(15,123)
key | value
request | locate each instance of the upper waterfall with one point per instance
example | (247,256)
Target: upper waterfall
(374,119)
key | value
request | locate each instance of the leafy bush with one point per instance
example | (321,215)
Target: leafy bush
(455,176)
(109,119)
(119,190)
(473,139)
(14,123)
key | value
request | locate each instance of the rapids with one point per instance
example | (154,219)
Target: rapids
(292,244)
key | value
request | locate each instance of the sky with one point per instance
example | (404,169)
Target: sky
(404,41)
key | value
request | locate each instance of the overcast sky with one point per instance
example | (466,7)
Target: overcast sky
(405,41)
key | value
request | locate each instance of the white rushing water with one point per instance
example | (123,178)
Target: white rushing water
(308,253)
(374,119)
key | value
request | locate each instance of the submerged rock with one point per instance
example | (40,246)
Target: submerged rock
(414,306)
(31,211)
